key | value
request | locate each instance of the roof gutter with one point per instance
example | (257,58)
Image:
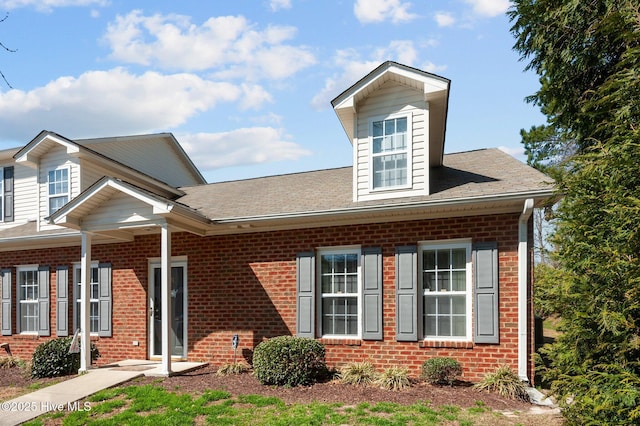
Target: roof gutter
(452,202)
(523,287)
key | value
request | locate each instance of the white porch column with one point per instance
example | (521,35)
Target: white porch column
(165,289)
(523,275)
(85,280)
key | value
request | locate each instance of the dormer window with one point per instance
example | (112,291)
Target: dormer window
(58,184)
(390,152)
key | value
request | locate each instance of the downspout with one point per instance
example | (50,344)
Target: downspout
(523,263)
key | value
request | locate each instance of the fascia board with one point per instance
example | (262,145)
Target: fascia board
(25,155)
(452,203)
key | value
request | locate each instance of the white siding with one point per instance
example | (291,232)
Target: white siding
(153,157)
(121,209)
(392,98)
(54,159)
(89,174)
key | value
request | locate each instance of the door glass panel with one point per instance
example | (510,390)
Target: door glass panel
(177,307)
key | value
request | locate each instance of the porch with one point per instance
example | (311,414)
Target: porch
(152,368)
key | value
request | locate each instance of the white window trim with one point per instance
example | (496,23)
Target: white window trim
(449,244)
(339,250)
(409,151)
(19,269)
(68,193)
(76,300)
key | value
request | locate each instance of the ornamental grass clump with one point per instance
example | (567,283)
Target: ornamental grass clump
(504,382)
(394,378)
(232,369)
(358,373)
(441,371)
(11,362)
(289,361)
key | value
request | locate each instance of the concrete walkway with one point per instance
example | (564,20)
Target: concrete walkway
(64,396)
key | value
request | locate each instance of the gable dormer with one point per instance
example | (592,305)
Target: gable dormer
(395,118)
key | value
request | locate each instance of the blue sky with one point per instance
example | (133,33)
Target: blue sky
(246,86)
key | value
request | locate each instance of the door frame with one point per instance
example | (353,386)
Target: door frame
(176,261)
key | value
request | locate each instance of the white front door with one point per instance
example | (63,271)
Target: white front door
(178,307)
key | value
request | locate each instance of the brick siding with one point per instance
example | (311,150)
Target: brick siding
(245,284)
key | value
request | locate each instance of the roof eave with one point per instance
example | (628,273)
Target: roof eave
(448,205)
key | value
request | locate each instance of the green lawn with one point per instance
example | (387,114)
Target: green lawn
(153,405)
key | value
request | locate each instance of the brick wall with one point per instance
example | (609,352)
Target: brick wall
(245,284)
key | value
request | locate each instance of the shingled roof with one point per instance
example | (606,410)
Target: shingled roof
(465,175)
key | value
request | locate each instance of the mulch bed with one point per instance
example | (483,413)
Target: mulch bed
(461,394)
(14,381)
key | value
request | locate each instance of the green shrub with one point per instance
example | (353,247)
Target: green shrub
(603,395)
(289,361)
(52,358)
(504,382)
(394,378)
(233,368)
(358,373)
(441,371)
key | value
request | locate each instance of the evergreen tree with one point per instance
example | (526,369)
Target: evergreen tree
(587,54)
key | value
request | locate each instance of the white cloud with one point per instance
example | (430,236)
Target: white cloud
(244,146)
(49,5)
(104,102)
(280,4)
(228,46)
(350,71)
(513,151)
(352,68)
(444,19)
(254,96)
(433,68)
(396,11)
(489,8)
(402,51)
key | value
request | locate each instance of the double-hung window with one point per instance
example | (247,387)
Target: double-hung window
(28,299)
(446,291)
(58,189)
(390,152)
(94,297)
(339,273)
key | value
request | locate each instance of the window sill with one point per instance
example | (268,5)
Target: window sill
(340,341)
(383,189)
(446,344)
(26,336)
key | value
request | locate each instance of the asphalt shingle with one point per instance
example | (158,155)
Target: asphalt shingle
(486,172)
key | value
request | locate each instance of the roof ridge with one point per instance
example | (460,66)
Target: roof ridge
(272,176)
